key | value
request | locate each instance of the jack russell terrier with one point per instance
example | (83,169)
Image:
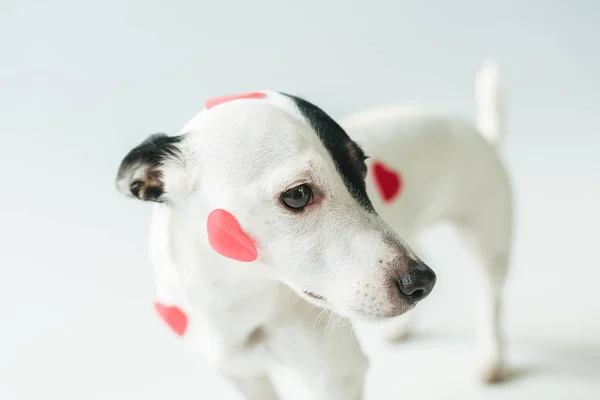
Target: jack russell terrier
(263,200)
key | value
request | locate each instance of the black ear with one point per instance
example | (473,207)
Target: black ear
(142,170)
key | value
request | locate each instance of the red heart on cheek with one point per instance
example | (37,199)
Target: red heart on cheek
(226,237)
(388,181)
(173,316)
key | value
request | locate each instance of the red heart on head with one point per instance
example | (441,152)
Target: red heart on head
(215,101)
(389,182)
(226,237)
(173,316)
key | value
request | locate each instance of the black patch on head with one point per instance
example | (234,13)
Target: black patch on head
(150,156)
(347,155)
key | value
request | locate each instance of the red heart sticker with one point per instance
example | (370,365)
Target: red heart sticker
(388,181)
(226,237)
(173,316)
(210,103)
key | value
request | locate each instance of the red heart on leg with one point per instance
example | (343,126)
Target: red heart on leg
(173,316)
(388,181)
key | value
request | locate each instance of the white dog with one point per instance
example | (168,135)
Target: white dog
(263,199)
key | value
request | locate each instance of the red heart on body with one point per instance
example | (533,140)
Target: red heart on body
(173,316)
(215,101)
(388,181)
(226,237)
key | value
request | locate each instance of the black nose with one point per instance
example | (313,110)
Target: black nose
(417,283)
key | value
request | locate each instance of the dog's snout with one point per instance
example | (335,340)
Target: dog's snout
(417,282)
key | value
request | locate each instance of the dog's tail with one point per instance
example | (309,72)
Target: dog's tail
(490,108)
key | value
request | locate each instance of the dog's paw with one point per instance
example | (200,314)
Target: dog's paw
(399,334)
(489,366)
(399,328)
(491,372)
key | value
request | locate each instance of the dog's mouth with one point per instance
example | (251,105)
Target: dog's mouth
(314,295)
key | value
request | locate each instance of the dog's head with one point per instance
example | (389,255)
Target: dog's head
(295,182)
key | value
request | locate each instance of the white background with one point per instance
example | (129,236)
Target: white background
(82,82)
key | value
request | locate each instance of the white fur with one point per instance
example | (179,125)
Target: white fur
(244,317)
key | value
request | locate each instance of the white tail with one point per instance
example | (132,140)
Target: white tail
(490,109)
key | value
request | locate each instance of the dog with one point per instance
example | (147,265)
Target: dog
(266,211)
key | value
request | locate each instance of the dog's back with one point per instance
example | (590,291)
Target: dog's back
(442,163)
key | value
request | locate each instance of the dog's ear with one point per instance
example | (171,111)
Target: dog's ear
(142,171)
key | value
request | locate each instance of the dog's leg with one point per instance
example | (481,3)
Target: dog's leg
(489,349)
(323,350)
(487,233)
(255,387)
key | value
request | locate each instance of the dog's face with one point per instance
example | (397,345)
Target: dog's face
(295,182)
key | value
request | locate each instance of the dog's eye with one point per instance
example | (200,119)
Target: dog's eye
(297,198)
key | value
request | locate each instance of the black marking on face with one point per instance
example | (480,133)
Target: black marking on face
(342,149)
(149,157)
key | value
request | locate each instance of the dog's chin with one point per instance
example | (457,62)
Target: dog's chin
(362,314)
(371,314)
